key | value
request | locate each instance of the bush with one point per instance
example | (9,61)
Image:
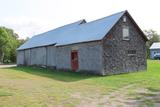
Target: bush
(7,61)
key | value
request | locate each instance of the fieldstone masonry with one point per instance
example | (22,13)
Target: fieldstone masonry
(115,50)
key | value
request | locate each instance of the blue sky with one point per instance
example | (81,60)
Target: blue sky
(31,17)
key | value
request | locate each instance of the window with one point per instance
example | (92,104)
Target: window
(125,33)
(109,36)
(131,52)
(124,19)
(155,52)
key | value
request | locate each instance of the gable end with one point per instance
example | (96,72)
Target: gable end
(132,20)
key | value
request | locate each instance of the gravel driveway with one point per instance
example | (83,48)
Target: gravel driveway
(7,66)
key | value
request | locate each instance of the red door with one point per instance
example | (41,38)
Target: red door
(74,60)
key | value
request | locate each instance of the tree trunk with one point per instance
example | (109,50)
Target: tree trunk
(1,56)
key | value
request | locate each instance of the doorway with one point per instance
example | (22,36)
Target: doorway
(74,60)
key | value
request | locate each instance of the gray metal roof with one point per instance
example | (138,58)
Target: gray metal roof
(74,33)
(155,45)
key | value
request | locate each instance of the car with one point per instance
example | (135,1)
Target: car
(157,56)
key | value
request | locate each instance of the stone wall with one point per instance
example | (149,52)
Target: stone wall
(115,50)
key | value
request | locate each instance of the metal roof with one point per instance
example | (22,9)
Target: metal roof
(77,32)
(155,45)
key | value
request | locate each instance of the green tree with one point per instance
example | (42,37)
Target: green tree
(9,42)
(4,39)
(153,37)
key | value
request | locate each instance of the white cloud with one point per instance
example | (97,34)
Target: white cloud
(26,27)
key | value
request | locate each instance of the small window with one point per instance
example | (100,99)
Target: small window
(124,19)
(125,33)
(131,52)
(109,36)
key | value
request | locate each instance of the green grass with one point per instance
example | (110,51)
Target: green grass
(4,93)
(35,87)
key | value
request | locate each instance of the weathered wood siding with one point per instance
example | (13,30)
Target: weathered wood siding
(89,57)
(27,57)
(115,57)
(20,57)
(51,56)
(63,57)
(38,56)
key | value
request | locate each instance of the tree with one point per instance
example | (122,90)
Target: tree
(153,37)
(9,42)
(4,39)
(22,41)
(12,45)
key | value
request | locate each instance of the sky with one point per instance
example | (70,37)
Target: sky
(31,17)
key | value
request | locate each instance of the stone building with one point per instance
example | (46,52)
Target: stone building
(110,45)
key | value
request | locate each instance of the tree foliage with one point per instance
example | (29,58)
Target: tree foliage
(153,37)
(8,44)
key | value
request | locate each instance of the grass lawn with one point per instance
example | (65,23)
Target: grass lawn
(35,87)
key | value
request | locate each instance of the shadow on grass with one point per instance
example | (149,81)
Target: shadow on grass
(66,76)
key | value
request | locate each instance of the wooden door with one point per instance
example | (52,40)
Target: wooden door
(74,60)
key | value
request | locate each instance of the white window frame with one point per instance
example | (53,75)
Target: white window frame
(124,19)
(125,33)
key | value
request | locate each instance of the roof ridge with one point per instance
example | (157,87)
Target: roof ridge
(106,16)
(79,22)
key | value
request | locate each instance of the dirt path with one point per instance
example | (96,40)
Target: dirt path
(114,99)
(120,98)
(7,66)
